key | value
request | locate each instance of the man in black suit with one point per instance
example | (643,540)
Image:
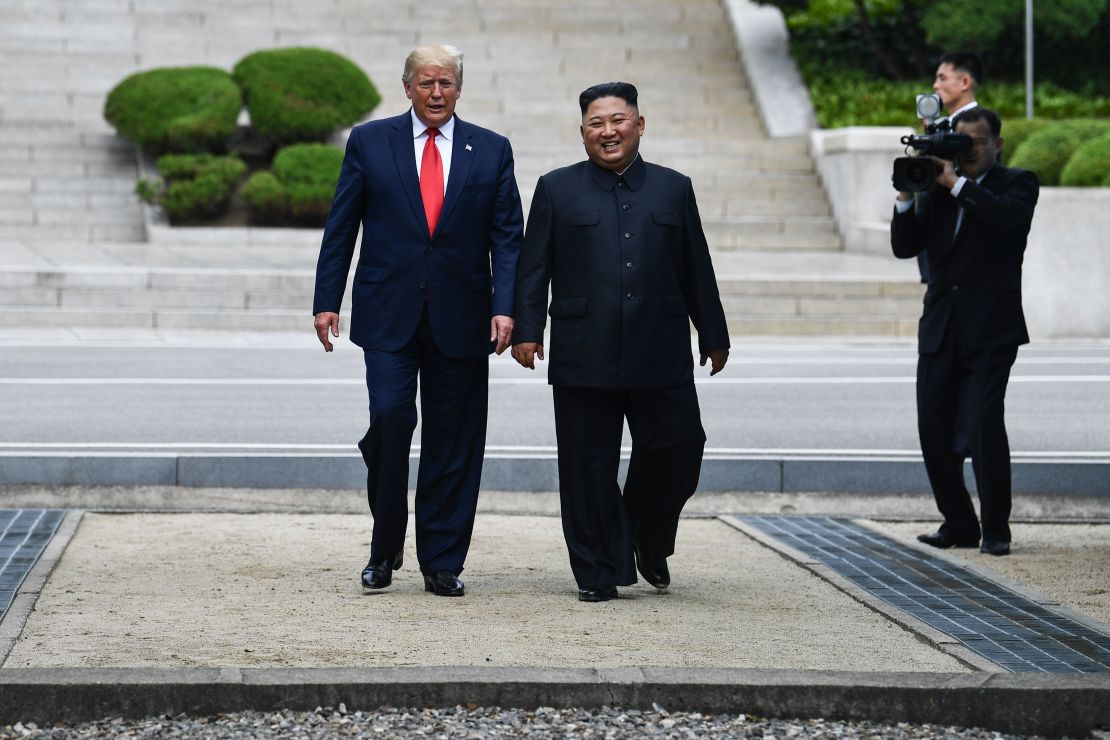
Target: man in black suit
(974,223)
(621,244)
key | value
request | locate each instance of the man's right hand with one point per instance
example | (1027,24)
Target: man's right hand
(327,321)
(526,352)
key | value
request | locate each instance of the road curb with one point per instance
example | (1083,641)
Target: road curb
(1051,705)
(523,472)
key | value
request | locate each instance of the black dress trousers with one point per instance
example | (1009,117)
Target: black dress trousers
(600,524)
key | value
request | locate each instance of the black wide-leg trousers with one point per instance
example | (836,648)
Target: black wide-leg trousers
(961,397)
(601,526)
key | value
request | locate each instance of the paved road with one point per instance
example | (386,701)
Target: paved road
(281,392)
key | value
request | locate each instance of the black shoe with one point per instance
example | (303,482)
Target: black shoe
(653,568)
(944,541)
(597,593)
(995,547)
(443,583)
(379,573)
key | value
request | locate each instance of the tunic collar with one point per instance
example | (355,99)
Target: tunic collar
(633,176)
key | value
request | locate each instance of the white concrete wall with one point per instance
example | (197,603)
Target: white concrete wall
(1066,277)
(855,165)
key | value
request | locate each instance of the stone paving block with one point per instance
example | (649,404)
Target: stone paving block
(15,216)
(60,317)
(117,232)
(29,297)
(75,471)
(202,299)
(743,306)
(883,307)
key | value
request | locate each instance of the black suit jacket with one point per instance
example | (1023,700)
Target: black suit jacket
(975,277)
(629,268)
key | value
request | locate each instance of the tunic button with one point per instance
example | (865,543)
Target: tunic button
(629,296)
(625,207)
(628,264)
(955,287)
(627,235)
(422,284)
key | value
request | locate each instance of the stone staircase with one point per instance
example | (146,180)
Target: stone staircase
(71,249)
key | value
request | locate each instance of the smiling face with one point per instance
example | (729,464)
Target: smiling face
(611,131)
(984,148)
(433,91)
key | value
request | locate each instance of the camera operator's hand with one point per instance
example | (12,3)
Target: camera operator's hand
(946,177)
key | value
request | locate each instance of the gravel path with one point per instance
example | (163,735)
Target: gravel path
(481,723)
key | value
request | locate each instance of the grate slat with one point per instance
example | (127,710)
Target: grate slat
(986,617)
(24,534)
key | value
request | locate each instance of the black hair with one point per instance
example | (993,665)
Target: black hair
(966,62)
(971,115)
(626,91)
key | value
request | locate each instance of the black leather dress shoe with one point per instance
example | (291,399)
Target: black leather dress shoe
(597,593)
(443,583)
(944,541)
(379,573)
(653,568)
(995,547)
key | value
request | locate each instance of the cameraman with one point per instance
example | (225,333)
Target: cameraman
(974,222)
(957,81)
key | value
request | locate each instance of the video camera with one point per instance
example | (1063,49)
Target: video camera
(919,172)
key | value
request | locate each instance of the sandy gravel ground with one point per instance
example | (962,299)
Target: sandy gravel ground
(1066,562)
(280,589)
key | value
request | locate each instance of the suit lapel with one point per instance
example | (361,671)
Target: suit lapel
(405,158)
(462,156)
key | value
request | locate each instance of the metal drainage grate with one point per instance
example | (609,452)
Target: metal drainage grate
(991,620)
(24,534)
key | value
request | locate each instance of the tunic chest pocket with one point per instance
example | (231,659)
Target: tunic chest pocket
(666,218)
(583,218)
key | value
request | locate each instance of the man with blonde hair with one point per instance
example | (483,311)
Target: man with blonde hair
(432,297)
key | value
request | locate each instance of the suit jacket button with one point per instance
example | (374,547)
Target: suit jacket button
(625,207)
(423,284)
(955,288)
(629,296)
(627,235)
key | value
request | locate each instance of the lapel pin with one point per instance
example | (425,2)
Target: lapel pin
(469,148)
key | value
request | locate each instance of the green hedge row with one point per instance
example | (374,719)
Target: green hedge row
(854,99)
(1071,153)
(296,94)
(298,188)
(194,186)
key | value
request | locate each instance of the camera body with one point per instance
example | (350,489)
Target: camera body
(917,173)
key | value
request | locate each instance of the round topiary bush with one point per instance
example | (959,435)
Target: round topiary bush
(1047,151)
(1015,131)
(177,109)
(301,182)
(1090,165)
(303,94)
(195,186)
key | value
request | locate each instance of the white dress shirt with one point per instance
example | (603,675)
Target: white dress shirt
(443,143)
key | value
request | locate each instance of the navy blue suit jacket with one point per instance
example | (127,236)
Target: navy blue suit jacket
(975,276)
(467,270)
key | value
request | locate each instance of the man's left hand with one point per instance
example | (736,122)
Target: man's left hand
(718,357)
(501,331)
(947,176)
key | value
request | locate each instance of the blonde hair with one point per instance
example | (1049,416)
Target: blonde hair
(434,55)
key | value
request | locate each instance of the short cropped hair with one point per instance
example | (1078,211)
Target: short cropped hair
(626,91)
(434,55)
(971,115)
(967,62)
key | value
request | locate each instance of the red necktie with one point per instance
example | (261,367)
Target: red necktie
(431,180)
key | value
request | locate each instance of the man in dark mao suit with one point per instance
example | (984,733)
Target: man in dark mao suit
(433,296)
(974,223)
(621,244)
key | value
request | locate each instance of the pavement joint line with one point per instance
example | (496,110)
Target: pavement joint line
(15,618)
(985,572)
(922,631)
(1020,703)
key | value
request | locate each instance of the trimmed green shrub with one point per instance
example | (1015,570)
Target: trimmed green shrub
(194,186)
(1047,151)
(177,109)
(301,184)
(1016,131)
(1090,165)
(303,94)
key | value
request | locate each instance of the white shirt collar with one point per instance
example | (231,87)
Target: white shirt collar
(962,108)
(447,130)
